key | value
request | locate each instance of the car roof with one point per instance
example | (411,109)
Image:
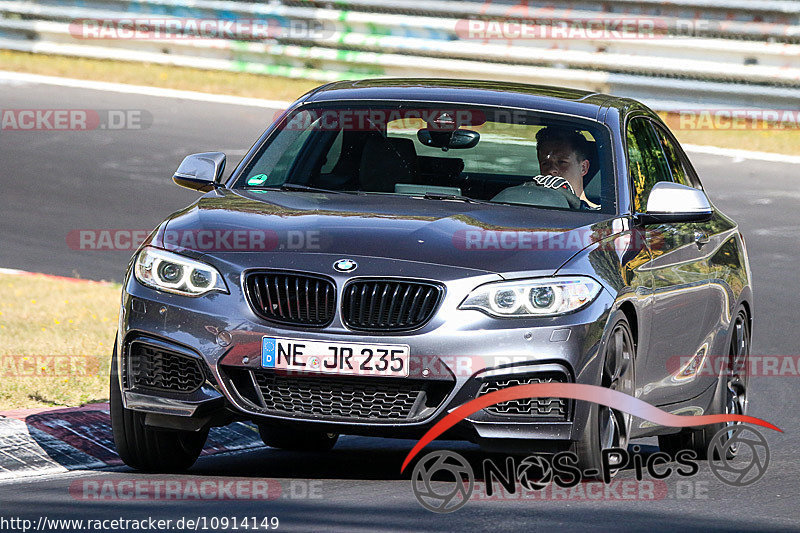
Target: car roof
(478,92)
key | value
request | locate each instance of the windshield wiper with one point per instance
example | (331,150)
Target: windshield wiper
(301,188)
(440,196)
(298,187)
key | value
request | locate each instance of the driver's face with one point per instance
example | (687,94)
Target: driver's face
(559,159)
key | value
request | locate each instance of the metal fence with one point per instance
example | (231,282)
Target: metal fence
(675,55)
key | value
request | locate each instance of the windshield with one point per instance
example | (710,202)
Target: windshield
(479,154)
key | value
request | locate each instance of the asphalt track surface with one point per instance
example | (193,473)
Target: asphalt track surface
(53,183)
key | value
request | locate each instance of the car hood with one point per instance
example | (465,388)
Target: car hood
(489,238)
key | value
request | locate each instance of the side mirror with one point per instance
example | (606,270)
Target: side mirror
(200,172)
(673,202)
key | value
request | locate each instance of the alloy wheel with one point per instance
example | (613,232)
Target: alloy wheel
(617,375)
(736,386)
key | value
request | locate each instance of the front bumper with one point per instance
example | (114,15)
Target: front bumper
(452,357)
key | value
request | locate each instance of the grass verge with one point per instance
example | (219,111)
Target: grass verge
(747,135)
(56,338)
(784,141)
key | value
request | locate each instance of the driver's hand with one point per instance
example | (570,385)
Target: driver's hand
(557,183)
(551,182)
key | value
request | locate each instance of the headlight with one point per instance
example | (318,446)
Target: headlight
(171,272)
(533,297)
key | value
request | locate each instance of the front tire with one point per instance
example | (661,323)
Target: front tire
(606,427)
(145,448)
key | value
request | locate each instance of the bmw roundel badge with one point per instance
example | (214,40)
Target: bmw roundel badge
(345,265)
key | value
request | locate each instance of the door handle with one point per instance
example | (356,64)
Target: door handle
(700,238)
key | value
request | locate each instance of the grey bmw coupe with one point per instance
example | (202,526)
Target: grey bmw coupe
(391,249)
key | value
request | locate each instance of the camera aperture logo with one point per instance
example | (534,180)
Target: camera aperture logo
(738,455)
(443,496)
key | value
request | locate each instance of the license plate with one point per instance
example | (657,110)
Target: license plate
(335,357)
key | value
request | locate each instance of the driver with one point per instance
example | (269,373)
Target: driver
(563,161)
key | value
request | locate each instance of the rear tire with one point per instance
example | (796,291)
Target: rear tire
(730,397)
(297,440)
(145,448)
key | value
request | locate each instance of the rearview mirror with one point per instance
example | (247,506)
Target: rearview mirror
(200,172)
(673,202)
(446,139)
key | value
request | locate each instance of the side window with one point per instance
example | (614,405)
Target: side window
(646,163)
(680,174)
(273,167)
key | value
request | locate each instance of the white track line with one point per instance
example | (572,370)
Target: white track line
(742,154)
(16,272)
(21,77)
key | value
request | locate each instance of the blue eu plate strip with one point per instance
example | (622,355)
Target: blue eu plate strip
(268,352)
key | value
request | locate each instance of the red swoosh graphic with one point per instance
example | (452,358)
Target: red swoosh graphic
(575,391)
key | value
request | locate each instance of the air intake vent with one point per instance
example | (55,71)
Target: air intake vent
(340,398)
(389,305)
(154,368)
(291,298)
(550,408)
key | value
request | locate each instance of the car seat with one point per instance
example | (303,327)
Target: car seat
(386,161)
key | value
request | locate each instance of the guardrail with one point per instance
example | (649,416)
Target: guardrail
(737,19)
(420,18)
(667,70)
(753,10)
(756,62)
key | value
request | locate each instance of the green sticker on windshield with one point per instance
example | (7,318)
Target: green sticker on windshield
(258,179)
